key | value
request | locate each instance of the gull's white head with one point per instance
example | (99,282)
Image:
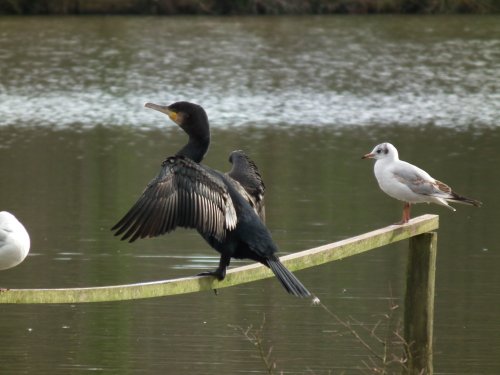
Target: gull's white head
(382,151)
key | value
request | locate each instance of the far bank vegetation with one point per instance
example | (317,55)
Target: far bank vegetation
(246,7)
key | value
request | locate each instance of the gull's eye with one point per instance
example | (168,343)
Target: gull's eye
(379,151)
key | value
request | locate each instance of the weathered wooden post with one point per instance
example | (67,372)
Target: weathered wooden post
(419,303)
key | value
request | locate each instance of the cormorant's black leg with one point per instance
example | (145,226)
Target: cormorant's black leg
(220,272)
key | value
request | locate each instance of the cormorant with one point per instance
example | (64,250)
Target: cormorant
(188,194)
(14,241)
(410,184)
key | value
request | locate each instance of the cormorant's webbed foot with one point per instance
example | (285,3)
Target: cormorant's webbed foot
(218,273)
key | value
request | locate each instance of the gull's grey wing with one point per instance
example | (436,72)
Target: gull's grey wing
(419,181)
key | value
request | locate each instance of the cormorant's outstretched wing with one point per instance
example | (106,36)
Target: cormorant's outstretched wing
(246,173)
(184,194)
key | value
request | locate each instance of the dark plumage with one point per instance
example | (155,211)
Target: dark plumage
(223,208)
(246,173)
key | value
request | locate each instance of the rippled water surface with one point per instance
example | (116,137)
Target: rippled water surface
(323,71)
(305,97)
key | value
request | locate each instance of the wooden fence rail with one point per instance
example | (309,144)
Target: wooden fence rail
(294,262)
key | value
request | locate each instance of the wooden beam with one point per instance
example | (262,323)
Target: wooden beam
(297,261)
(419,303)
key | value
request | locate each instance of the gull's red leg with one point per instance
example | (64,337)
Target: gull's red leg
(406,214)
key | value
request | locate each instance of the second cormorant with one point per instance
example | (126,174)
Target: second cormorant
(226,209)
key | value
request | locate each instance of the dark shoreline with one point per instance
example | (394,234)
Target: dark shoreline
(247,7)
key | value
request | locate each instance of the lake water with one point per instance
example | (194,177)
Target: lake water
(305,97)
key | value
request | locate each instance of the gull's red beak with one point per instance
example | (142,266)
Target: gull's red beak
(367,156)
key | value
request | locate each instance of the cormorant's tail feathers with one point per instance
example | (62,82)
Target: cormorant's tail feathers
(287,279)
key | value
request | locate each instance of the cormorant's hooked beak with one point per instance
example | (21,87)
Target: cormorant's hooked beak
(368,156)
(174,116)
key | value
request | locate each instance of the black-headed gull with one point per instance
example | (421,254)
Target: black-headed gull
(14,241)
(410,184)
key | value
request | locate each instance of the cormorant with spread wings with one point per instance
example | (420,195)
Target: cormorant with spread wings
(226,209)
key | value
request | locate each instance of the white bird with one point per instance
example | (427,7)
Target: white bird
(410,184)
(14,241)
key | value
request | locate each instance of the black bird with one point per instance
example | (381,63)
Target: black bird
(188,194)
